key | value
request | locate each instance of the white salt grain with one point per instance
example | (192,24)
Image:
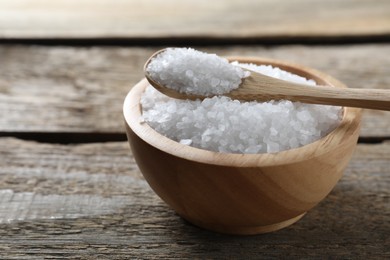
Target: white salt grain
(194,72)
(186,141)
(224,125)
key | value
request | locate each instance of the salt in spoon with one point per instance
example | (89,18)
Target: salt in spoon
(259,87)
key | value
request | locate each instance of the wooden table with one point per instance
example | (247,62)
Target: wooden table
(69,186)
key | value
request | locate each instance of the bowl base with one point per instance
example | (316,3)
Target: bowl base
(246,230)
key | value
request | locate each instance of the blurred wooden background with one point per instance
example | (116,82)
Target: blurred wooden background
(69,186)
(279,20)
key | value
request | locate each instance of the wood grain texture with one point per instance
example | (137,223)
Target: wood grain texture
(115,214)
(67,89)
(150,19)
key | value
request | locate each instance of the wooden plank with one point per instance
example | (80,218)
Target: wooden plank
(199,20)
(68,89)
(90,201)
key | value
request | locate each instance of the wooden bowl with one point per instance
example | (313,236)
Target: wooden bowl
(242,193)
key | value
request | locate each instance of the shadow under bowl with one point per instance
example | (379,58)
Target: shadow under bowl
(242,193)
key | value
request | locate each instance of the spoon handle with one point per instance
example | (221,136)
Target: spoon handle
(326,95)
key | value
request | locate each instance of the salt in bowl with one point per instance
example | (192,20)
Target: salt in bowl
(242,193)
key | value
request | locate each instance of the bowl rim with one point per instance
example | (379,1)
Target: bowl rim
(349,124)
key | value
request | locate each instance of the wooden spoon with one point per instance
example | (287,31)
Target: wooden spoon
(259,87)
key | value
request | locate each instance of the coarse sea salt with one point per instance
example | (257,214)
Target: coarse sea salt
(224,125)
(193,72)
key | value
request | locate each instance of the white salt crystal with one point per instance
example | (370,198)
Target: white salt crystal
(190,71)
(186,141)
(224,125)
(303,115)
(272,147)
